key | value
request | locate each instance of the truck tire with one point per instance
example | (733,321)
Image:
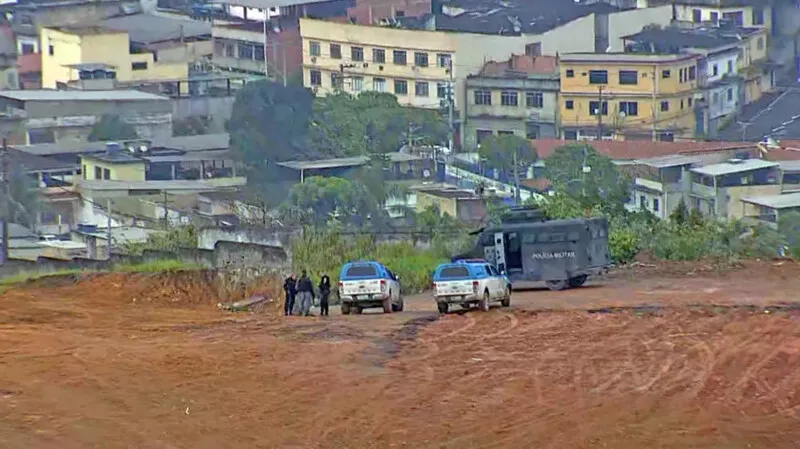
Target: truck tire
(345,308)
(443,307)
(357,309)
(485,302)
(557,285)
(506,301)
(399,306)
(387,304)
(577,281)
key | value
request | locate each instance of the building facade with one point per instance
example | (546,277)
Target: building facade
(239,47)
(518,96)
(622,95)
(717,189)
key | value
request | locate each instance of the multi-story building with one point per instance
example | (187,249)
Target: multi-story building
(239,47)
(138,47)
(741,13)
(718,189)
(518,96)
(623,95)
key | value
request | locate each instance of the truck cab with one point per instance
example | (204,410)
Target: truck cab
(367,284)
(468,282)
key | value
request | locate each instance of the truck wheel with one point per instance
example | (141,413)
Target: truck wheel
(556,285)
(484,303)
(399,306)
(506,302)
(357,309)
(443,307)
(345,308)
(387,304)
(577,281)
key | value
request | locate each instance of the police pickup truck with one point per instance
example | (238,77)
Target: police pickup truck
(467,282)
(368,284)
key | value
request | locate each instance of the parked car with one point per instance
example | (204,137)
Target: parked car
(468,282)
(367,284)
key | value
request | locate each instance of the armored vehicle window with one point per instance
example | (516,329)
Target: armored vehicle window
(454,272)
(573,236)
(361,271)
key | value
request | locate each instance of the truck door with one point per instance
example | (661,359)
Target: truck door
(500,252)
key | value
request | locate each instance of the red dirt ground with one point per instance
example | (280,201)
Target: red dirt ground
(149,361)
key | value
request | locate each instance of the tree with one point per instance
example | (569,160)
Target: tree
(22,203)
(680,214)
(319,200)
(194,125)
(110,128)
(500,151)
(588,176)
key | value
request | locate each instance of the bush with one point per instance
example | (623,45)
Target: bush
(624,245)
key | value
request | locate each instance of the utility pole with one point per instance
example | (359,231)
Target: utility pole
(166,212)
(599,112)
(450,106)
(108,228)
(285,80)
(6,192)
(517,196)
(266,45)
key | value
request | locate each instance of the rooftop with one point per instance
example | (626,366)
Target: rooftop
(80,95)
(118,157)
(774,115)
(84,29)
(521,66)
(639,149)
(37,164)
(191,185)
(217,155)
(91,66)
(633,58)
(202,142)
(789,200)
(148,28)
(675,40)
(727,168)
(513,17)
(447,192)
(265,4)
(669,161)
(344,162)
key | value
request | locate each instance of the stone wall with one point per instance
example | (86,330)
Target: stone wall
(241,260)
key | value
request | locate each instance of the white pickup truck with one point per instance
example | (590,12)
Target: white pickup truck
(470,282)
(369,284)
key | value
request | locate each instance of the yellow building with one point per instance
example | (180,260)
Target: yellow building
(64,49)
(754,65)
(113,165)
(412,64)
(627,95)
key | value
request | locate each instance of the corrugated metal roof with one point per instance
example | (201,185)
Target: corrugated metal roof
(786,201)
(80,95)
(202,142)
(726,168)
(146,28)
(344,162)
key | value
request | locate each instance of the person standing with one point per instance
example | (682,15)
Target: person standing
(305,293)
(290,288)
(324,293)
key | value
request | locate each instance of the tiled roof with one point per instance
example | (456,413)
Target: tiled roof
(637,149)
(521,64)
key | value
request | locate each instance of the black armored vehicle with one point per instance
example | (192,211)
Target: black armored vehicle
(530,248)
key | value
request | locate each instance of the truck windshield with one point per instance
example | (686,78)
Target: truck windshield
(361,271)
(454,272)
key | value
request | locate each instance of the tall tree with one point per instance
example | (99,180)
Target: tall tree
(590,177)
(501,150)
(112,127)
(319,200)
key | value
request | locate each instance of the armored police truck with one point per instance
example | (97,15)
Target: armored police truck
(530,248)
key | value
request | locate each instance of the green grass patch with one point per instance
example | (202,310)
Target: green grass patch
(155,266)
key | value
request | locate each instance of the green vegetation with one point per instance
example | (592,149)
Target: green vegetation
(110,128)
(170,241)
(501,150)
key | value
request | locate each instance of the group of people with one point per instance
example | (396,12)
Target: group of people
(300,293)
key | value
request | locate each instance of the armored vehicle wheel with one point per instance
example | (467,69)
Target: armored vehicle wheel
(506,302)
(399,306)
(443,307)
(577,281)
(345,308)
(466,306)
(557,285)
(357,309)
(484,304)
(387,304)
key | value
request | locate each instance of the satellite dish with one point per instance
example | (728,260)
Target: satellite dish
(132,149)
(143,148)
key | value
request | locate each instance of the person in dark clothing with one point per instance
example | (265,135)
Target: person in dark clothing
(324,293)
(305,294)
(290,288)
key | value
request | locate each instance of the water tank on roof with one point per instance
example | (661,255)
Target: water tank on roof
(88,228)
(113,147)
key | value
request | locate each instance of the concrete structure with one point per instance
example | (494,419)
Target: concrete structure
(622,95)
(463,204)
(68,116)
(769,208)
(717,189)
(745,13)
(663,183)
(518,96)
(239,47)
(132,48)
(115,164)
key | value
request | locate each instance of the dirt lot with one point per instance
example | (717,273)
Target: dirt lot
(137,361)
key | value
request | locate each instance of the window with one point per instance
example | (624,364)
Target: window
(508,98)
(714,16)
(379,84)
(98,173)
(379,55)
(628,77)
(569,104)
(258,52)
(421,89)
(315,77)
(697,15)
(441,90)
(692,72)
(758,15)
(655,204)
(534,49)
(83,172)
(357,83)
(51,50)
(714,70)
(505,133)
(570,135)
(361,270)
(28,48)
(481,135)
(570,73)
(421,59)
(399,57)
(314,48)
(139,65)
(598,76)
(682,75)
(401,87)
(357,54)
(689,102)
(759,43)
(106,174)
(483,97)
(245,50)
(41,136)
(730,94)
(642,202)
(715,98)
(737,17)
(664,106)
(629,108)
(665,74)
(454,272)
(336,80)
(681,104)
(443,60)
(336,51)
(594,107)
(534,100)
